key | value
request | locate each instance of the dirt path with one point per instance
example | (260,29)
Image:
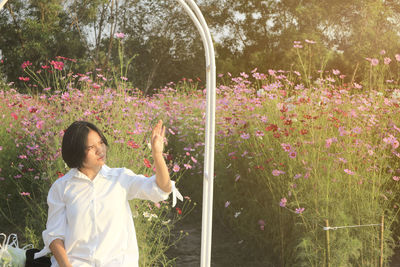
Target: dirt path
(396,259)
(227,249)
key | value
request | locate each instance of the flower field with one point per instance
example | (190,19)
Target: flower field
(291,155)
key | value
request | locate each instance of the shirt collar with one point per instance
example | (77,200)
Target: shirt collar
(101,174)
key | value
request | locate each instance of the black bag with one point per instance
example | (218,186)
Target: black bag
(39,262)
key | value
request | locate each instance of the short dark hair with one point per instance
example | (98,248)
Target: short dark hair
(73,147)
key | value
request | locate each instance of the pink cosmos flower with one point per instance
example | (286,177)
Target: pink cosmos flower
(336,72)
(176,168)
(245,136)
(171,132)
(349,172)
(25,194)
(310,41)
(299,210)
(329,141)
(391,140)
(262,224)
(227,204)
(244,75)
(286,147)
(292,154)
(187,166)
(39,124)
(193,159)
(397,56)
(297,176)
(396,178)
(259,133)
(120,35)
(387,60)
(237,177)
(374,61)
(277,172)
(264,119)
(283,202)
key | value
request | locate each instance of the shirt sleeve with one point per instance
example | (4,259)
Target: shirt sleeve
(56,220)
(139,186)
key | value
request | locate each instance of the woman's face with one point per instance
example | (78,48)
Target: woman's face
(96,152)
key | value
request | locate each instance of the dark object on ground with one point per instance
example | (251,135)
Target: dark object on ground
(39,262)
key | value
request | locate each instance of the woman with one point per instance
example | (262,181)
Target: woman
(89,220)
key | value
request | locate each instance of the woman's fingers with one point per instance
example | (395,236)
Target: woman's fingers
(159,129)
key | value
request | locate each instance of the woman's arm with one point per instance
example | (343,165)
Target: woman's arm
(162,175)
(58,249)
(157,146)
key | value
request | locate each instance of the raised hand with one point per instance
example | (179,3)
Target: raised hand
(157,138)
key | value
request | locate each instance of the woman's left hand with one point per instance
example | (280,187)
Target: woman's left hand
(157,138)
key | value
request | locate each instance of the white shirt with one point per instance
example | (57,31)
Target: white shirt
(94,218)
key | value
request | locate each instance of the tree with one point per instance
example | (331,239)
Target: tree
(36,31)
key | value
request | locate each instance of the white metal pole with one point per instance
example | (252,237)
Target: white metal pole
(209,147)
(208,181)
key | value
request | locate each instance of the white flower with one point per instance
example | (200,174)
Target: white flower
(149,215)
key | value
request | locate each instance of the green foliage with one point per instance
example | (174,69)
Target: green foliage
(166,46)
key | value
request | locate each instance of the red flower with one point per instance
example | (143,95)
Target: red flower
(179,211)
(14,116)
(58,65)
(147,163)
(32,110)
(303,131)
(26,64)
(132,144)
(271,127)
(284,109)
(60,174)
(24,79)
(288,122)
